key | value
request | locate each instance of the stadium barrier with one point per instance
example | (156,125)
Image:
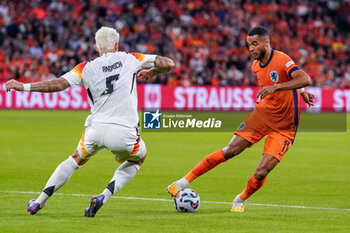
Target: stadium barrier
(152,96)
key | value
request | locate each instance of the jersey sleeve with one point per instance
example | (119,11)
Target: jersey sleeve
(145,60)
(74,76)
(288,64)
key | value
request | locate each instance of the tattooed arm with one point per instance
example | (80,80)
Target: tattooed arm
(161,65)
(52,85)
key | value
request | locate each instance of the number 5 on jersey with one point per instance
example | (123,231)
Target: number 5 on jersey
(109,84)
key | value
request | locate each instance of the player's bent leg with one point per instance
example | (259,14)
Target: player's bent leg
(87,147)
(206,164)
(58,178)
(266,164)
(124,173)
(255,182)
(235,146)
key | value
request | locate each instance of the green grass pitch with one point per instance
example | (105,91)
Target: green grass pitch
(314,173)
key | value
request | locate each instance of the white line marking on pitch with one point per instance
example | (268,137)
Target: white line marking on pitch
(159,199)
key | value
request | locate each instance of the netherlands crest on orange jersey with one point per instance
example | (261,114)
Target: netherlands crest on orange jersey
(274,76)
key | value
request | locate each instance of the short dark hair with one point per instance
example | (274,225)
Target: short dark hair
(260,31)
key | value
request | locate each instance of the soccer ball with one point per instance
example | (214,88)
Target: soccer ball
(187,200)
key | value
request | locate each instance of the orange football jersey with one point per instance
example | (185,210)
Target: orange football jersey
(280,109)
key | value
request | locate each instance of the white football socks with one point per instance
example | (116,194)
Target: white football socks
(182,183)
(58,178)
(125,172)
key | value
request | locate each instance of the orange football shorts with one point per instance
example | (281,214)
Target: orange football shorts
(277,143)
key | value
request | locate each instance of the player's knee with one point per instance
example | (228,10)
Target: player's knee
(231,150)
(260,173)
(80,161)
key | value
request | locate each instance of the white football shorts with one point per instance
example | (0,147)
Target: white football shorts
(123,142)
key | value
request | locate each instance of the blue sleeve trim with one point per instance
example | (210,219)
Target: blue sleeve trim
(293,69)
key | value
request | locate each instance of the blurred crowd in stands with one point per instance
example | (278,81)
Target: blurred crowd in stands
(40,40)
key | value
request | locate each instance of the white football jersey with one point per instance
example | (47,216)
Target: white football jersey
(110,81)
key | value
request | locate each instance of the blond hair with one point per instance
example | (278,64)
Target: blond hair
(106,38)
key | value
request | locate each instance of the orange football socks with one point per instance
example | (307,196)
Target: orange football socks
(253,185)
(208,163)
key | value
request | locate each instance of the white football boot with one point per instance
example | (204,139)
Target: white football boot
(238,204)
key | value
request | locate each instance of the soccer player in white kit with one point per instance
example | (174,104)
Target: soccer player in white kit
(110,81)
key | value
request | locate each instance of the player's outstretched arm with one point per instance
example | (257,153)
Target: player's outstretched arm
(299,79)
(52,85)
(161,65)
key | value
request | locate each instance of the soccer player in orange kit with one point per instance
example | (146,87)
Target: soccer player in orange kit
(276,115)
